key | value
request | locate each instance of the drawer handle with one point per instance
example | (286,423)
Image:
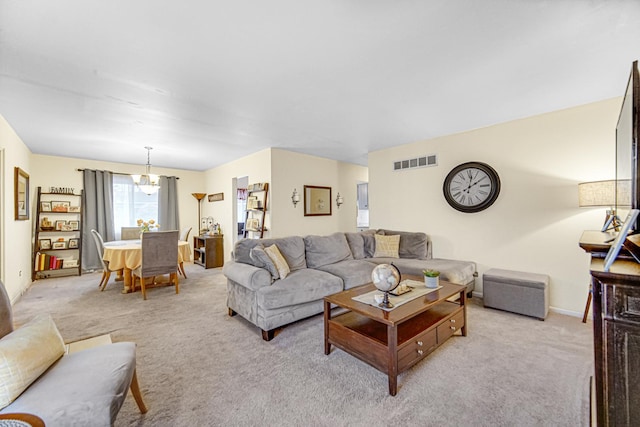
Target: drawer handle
(453,328)
(420,352)
(419,343)
(453,320)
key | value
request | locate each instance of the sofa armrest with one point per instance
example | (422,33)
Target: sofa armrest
(249,276)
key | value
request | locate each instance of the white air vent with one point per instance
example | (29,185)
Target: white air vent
(417,162)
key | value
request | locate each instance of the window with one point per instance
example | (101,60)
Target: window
(131,204)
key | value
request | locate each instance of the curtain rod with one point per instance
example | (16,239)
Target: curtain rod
(118,173)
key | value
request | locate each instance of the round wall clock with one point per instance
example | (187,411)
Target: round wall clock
(471,187)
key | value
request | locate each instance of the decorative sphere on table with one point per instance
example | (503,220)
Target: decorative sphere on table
(385,277)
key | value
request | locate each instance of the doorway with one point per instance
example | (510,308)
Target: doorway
(240,206)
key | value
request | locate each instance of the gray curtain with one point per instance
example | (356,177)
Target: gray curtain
(168,217)
(97,214)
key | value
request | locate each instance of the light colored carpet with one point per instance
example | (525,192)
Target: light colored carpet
(199,367)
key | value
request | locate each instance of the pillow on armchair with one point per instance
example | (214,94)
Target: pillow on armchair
(25,354)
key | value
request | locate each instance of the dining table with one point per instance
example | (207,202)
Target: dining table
(126,255)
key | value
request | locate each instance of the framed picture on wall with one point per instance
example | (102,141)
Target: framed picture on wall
(317,200)
(21,194)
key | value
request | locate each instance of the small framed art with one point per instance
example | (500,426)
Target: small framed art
(44,244)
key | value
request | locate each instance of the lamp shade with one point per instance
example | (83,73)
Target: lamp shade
(602,193)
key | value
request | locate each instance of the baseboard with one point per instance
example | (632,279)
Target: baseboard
(553,309)
(566,312)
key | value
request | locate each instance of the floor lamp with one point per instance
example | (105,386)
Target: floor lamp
(199,197)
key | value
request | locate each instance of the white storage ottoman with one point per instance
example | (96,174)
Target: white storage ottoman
(516,291)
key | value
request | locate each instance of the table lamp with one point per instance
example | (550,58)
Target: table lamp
(603,193)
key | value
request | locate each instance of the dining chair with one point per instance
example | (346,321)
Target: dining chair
(106,271)
(184,235)
(159,256)
(129,233)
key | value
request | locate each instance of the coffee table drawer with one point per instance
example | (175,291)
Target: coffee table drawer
(449,326)
(417,348)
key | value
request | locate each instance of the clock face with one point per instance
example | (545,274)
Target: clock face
(471,187)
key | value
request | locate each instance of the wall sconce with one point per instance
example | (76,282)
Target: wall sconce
(295,197)
(339,200)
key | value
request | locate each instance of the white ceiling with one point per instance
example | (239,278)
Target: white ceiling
(207,81)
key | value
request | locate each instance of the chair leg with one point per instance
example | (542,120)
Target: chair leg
(135,390)
(177,281)
(143,288)
(586,309)
(105,275)
(182,270)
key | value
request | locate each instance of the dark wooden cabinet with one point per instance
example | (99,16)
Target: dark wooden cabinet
(616,326)
(208,251)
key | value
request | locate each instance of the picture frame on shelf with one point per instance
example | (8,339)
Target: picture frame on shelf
(59,224)
(317,200)
(70,263)
(74,209)
(21,194)
(59,245)
(253,224)
(74,243)
(45,206)
(252,202)
(74,224)
(67,227)
(60,206)
(44,244)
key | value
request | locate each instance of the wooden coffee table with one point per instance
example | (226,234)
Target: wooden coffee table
(393,341)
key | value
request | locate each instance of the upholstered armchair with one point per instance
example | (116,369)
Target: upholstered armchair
(83,388)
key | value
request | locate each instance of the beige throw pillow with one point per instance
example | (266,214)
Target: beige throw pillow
(278,260)
(25,354)
(387,246)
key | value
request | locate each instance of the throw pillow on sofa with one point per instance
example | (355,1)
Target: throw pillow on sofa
(387,246)
(25,354)
(278,260)
(261,259)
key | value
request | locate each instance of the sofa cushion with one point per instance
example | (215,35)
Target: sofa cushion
(86,388)
(278,260)
(291,248)
(387,246)
(261,259)
(25,354)
(299,287)
(323,250)
(6,314)
(369,244)
(356,244)
(413,245)
(352,272)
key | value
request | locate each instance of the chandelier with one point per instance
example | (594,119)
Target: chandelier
(147,183)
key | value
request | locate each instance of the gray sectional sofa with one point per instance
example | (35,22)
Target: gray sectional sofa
(321,266)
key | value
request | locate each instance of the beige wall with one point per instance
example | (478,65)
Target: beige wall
(15,236)
(294,170)
(53,171)
(257,167)
(535,224)
(285,170)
